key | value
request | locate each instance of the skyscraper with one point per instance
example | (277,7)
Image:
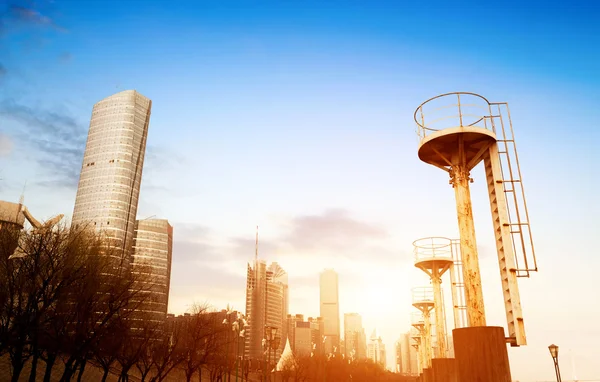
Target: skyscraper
(111,173)
(376,349)
(152,253)
(330,309)
(406,356)
(355,344)
(266,305)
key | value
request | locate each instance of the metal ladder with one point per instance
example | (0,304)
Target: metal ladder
(510,218)
(458,287)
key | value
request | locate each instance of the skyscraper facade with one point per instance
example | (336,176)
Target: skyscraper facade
(266,305)
(111,173)
(355,344)
(151,266)
(406,356)
(330,309)
(376,349)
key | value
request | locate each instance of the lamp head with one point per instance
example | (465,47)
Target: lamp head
(553,351)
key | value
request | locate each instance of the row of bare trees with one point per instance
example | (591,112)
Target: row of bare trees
(68,300)
(299,368)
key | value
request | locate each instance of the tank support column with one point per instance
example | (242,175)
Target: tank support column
(460,178)
(440,320)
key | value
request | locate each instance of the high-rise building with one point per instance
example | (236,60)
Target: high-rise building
(266,305)
(317,329)
(303,338)
(151,266)
(330,309)
(291,328)
(355,344)
(111,173)
(406,356)
(376,349)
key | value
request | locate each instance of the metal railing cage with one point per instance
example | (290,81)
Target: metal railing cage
(431,248)
(422,294)
(457,109)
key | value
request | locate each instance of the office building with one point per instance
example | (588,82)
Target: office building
(355,343)
(291,328)
(376,349)
(266,305)
(302,339)
(330,309)
(317,330)
(111,173)
(406,356)
(151,266)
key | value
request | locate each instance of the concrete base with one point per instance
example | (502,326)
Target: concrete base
(481,354)
(444,370)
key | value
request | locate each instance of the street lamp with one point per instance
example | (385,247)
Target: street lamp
(554,353)
(271,333)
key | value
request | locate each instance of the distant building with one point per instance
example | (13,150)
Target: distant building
(111,173)
(330,309)
(355,342)
(266,305)
(303,339)
(151,266)
(291,328)
(406,356)
(376,349)
(317,330)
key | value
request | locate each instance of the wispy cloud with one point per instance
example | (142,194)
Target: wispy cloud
(57,138)
(29,16)
(65,57)
(6,145)
(3,71)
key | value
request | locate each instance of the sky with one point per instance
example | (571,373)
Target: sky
(298,117)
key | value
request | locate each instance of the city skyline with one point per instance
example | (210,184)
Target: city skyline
(312,138)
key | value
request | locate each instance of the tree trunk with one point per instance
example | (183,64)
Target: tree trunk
(105,375)
(68,371)
(34,362)
(17,368)
(49,365)
(16,360)
(81,370)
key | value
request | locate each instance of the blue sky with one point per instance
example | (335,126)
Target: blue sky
(297,116)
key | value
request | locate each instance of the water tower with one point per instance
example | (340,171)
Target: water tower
(457,131)
(416,333)
(423,300)
(433,255)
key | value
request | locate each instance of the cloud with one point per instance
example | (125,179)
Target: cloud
(57,138)
(65,57)
(6,145)
(334,230)
(30,16)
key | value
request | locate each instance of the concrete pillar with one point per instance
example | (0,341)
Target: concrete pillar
(481,354)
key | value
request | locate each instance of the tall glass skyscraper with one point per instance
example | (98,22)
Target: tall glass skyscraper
(152,254)
(111,173)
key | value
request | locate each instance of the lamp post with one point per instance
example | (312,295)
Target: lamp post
(554,353)
(239,327)
(271,332)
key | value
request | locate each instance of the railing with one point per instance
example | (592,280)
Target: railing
(416,318)
(458,109)
(432,248)
(422,294)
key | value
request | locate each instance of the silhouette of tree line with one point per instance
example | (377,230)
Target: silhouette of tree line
(68,300)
